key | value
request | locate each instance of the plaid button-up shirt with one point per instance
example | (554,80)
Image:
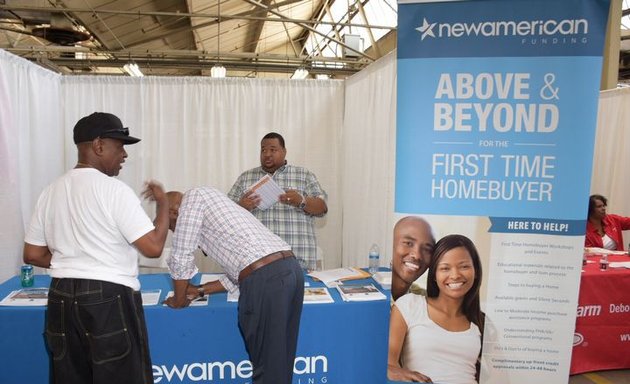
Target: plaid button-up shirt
(292,224)
(224,231)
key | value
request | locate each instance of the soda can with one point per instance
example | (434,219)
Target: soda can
(26,277)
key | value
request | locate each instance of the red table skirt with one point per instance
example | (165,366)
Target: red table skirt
(602,330)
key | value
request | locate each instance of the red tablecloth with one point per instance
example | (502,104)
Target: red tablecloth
(602,330)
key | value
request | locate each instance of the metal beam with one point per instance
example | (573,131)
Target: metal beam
(369,31)
(349,15)
(290,40)
(303,25)
(252,37)
(317,15)
(191,65)
(164,53)
(201,25)
(279,19)
(195,58)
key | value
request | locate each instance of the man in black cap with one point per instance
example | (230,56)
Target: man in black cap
(100,138)
(86,229)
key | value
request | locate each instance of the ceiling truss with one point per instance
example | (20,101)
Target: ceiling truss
(263,38)
(109,48)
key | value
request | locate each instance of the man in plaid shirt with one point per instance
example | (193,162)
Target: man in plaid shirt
(292,218)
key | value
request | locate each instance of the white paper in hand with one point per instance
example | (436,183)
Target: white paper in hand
(268,191)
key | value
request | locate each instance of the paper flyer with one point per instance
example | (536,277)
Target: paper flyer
(268,191)
(26,297)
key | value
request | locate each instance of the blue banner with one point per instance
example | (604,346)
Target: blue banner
(497,109)
(479,136)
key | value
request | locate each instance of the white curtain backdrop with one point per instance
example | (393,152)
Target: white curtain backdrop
(368,162)
(611,174)
(31,149)
(203,131)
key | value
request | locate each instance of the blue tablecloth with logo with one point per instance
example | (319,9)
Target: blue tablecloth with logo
(339,343)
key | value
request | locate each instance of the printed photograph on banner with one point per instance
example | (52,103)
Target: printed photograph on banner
(425,344)
(526,291)
(494,150)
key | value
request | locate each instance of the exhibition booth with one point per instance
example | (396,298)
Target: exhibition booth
(344,131)
(204,131)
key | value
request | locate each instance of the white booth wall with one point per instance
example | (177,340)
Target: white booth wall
(203,131)
(31,149)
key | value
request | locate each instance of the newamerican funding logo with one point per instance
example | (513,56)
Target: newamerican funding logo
(306,369)
(551,28)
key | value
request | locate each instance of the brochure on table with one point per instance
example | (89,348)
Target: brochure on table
(317,295)
(340,274)
(619,264)
(151,296)
(384,278)
(26,297)
(603,251)
(365,292)
(196,302)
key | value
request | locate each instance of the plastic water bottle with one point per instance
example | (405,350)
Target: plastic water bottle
(374,259)
(603,263)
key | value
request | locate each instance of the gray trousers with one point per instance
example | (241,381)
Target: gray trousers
(269,310)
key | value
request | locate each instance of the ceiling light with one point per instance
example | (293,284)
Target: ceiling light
(322,76)
(218,71)
(300,74)
(133,70)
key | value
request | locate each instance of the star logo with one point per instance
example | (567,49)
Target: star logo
(426,29)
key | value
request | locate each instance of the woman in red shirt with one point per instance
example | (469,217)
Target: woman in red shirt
(604,230)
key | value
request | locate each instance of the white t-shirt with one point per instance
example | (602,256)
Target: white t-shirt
(88,220)
(609,243)
(444,356)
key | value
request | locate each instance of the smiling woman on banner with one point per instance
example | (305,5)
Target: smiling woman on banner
(437,338)
(604,230)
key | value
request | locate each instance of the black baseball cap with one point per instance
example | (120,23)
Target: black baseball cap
(103,125)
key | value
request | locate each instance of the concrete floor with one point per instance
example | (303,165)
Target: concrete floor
(602,377)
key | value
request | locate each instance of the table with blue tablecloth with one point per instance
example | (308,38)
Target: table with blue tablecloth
(339,343)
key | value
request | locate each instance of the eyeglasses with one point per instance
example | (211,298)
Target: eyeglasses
(124,131)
